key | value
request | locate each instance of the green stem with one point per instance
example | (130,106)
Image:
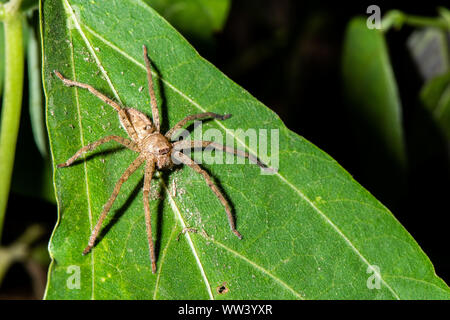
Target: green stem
(397,19)
(20,249)
(417,21)
(12,99)
(2,11)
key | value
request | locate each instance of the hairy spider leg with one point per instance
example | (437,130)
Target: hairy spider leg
(122,114)
(149,171)
(202,116)
(192,164)
(128,172)
(91,146)
(153,103)
(185,144)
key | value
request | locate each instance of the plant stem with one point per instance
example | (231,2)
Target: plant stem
(2,11)
(20,249)
(397,19)
(418,21)
(12,99)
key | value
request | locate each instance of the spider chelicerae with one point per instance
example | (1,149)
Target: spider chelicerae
(155,150)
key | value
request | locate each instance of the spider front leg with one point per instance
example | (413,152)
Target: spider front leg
(200,116)
(125,142)
(128,172)
(187,144)
(124,118)
(192,164)
(149,171)
(151,91)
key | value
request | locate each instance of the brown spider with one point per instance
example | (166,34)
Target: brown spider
(155,149)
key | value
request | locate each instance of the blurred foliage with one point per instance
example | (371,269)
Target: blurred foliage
(197,20)
(374,105)
(436,97)
(430,48)
(2,57)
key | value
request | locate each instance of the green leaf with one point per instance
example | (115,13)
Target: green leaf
(430,50)
(33,178)
(2,57)
(36,105)
(371,88)
(194,18)
(435,95)
(309,232)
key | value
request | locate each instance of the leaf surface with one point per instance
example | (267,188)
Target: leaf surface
(309,232)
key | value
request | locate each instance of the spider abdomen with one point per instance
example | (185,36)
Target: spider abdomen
(141,123)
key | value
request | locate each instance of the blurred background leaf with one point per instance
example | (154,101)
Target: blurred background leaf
(2,57)
(32,175)
(430,50)
(374,106)
(436,97)
(31,209)
(197,20)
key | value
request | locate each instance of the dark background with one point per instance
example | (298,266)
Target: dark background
(287,54)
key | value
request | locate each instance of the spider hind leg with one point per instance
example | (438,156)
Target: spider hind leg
(196,167)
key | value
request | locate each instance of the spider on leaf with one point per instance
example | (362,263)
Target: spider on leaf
(155,150)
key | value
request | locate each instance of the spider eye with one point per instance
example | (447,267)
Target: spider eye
(148,127)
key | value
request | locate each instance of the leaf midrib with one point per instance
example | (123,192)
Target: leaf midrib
(199,107)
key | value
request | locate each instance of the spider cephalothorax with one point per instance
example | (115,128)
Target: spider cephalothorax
(159,147)
(155,150)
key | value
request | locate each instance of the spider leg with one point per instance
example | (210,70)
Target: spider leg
(192,164)
(187,144)
(125,142)
(122,114)
(149,170)
(154,105)
(133,166)
(202,116)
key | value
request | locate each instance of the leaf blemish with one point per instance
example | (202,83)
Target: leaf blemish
(319,200)
(222,289)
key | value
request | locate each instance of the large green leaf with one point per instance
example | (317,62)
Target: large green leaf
(309,232)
